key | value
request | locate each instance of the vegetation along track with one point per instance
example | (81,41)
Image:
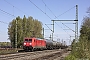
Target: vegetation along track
(37,55)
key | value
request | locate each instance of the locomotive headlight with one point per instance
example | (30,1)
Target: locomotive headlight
(24,43)
(30,43)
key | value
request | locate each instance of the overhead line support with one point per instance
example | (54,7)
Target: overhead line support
(76,28)
(76,24)
(64,20)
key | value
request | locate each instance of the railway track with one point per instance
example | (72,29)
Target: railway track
(60,55)
(37,55)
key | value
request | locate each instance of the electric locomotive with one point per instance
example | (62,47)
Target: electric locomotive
(37,43)
(33,44)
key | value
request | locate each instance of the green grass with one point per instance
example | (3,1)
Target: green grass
(7,51)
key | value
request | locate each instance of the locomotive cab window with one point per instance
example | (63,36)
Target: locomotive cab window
(26,40)
(30,40)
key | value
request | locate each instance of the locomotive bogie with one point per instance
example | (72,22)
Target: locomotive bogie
(26,48)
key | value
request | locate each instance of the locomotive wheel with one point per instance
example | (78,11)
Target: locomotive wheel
(32,50)
(41,49)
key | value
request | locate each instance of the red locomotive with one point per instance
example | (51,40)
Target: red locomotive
(37,43)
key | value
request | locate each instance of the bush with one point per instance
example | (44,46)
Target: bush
(70,57)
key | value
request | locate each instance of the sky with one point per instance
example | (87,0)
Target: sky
(44,11)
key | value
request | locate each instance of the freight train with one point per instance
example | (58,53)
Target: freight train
(37,43)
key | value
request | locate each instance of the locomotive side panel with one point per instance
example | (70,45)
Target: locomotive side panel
(44,43)
(41,43)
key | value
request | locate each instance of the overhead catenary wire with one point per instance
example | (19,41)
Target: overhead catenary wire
(16,7)
(40,9)
(65,12)
(3,22)
(13,11)
(7,13)
(48,27)
(63,29)
(49,8)
(16,24)
(59,16)
(68,27)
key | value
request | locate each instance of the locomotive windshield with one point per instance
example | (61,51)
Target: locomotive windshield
(28,40)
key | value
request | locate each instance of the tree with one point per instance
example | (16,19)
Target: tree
(26,27)
(11,32)
(81,49)
(85,37)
